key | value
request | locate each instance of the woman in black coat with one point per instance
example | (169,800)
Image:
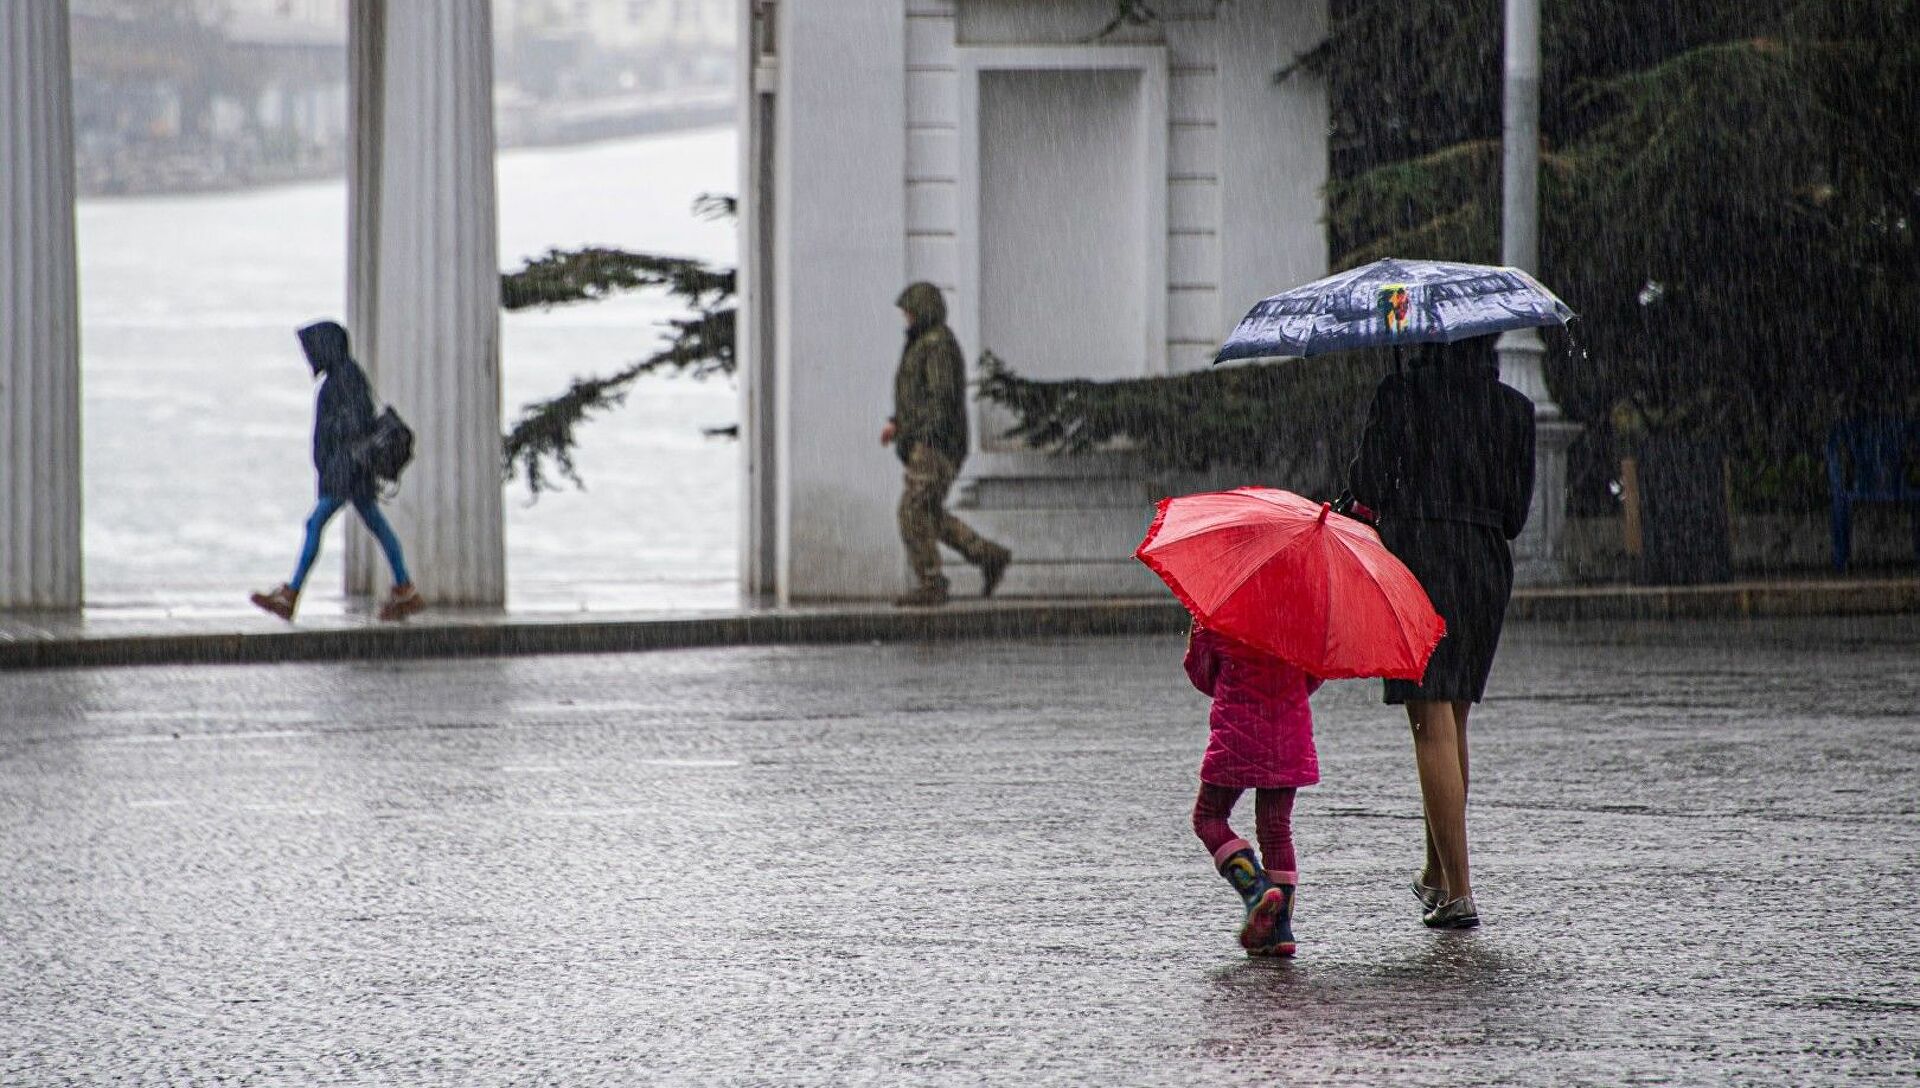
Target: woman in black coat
(342,417)
(1447,463)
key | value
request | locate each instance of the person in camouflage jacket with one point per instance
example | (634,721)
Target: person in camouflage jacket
(929,432)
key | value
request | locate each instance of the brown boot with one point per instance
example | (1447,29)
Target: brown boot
(930,595)
(404,601)
(281,601)
(993,569)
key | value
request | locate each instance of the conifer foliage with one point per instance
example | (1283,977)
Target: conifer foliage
(1730,199)
(542,441)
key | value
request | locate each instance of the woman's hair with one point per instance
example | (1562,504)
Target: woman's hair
(1470,354)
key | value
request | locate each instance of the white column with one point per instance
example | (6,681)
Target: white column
(366,50)
(757,82)
(1537,558)
(436,341)
(39,313)
(840,259)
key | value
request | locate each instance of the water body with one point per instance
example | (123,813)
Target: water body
(198,404)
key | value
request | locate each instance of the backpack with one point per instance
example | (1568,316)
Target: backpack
(387,448)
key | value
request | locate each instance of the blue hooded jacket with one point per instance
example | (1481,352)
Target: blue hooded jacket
(343,412)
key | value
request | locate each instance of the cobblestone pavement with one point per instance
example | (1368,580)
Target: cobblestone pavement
(954,864)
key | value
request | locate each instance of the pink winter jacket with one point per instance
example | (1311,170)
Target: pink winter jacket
(1262,734)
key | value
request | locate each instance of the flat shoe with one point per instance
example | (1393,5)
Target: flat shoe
(1453,914)
(1428,895)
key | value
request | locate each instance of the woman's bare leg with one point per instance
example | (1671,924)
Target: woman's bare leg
(1437,754)
(1431,872)
(1462,708)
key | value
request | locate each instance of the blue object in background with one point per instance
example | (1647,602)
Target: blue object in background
(1869,460)
(1390,303)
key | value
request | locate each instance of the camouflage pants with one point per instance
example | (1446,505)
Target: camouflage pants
(925,523)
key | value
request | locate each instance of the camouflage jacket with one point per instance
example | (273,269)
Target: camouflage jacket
(930,388)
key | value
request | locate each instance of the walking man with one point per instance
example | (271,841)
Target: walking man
(929,432)
(343,415)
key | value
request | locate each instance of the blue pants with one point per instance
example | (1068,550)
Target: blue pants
(369,511)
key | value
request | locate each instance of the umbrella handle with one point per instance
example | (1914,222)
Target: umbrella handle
(1396,360)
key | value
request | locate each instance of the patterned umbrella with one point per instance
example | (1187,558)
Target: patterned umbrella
(1390,303)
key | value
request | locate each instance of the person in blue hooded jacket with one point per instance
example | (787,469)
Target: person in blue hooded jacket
(343,415)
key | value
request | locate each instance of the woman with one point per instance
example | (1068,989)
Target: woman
(1447,463)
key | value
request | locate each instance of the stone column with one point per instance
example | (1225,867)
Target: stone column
(436,335)
(1537,557)
(39,313)
(366,50)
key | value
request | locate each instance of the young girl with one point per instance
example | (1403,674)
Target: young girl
(1261,738)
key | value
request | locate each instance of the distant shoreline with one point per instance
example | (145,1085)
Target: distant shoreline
(585,131)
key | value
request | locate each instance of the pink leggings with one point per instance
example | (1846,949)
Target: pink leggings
(1272,820)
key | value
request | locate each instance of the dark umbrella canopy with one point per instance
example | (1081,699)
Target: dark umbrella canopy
(1391,303)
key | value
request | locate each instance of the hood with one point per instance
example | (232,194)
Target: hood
(1463,358)
(922,302)
(325,343)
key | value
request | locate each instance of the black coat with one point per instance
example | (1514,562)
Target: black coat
(1447,462)
(343,413)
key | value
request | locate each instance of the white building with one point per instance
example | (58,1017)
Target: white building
(1099,209)
(1092,208)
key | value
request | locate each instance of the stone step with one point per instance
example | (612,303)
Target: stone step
(1100,534)
(1050,492)
(1110,580)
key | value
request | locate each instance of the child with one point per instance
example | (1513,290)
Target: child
(1262,738)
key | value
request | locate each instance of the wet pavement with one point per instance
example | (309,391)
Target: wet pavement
(953,864)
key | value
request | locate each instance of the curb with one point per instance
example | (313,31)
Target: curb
(512,638)
(1001,619)
(1729,600)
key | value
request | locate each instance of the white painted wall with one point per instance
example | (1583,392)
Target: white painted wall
(841,261)
(1272,153)
(910,144)
(1062,156)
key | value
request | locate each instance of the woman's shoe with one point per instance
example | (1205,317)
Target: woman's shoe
(1453,914)
(1429,896)
(281,601)
(1264,901)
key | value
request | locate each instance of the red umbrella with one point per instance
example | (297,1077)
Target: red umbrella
(1272,570)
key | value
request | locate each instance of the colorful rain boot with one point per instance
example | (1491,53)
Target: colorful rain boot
(1263,901)
(1280,942)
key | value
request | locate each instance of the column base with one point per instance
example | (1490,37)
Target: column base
(1537,557)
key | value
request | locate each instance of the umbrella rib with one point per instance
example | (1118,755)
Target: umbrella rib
(1393,606)
(1256,568)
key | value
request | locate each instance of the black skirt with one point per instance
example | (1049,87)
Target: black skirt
(1467,571)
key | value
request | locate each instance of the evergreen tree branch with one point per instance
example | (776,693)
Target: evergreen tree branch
(701,346)
(1249,416)
(560,277)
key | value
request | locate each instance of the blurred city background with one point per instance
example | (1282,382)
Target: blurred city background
(193,94)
